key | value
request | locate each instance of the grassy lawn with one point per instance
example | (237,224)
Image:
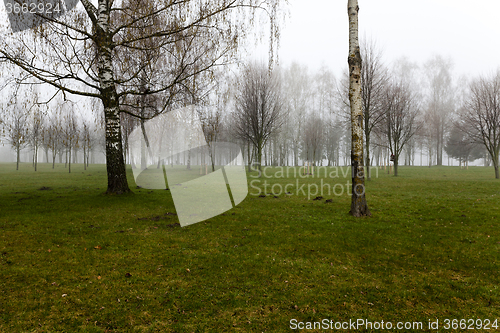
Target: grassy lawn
(75,260)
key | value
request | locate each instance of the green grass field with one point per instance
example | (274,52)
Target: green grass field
(75,260)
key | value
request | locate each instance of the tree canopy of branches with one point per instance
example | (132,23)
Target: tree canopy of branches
(258,107)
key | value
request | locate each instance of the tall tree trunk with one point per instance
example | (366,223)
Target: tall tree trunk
(359,206)
(115,164)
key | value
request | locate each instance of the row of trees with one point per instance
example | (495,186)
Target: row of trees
(58,132)
(289,116)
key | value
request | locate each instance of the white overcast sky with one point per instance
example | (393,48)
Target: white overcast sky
(467,31)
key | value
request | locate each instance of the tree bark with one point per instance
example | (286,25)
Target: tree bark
(359,206)
(115,164)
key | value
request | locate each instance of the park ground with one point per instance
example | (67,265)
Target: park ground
(75,260)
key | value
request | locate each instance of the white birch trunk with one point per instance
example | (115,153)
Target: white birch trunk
(115,164)
(358,201)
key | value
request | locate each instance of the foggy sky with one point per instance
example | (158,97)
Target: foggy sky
(317,32)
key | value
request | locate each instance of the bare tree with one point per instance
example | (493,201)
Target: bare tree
(86,140)
(359,206)
(480,116)
(374,78)
(37,123)
(69,131)
(333,135)
(439,101)
(258,107)
(296,87)
(54,135)
(314,134)
(213,126)
(15,129)
(400,118)
(84,53)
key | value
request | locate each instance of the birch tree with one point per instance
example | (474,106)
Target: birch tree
(359,206)
(82,53)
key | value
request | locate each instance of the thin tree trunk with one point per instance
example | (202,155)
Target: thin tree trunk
(368,175)
(84,152)
(35,158)
(18,157)
(259,157)
(359,206)
(495,165)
